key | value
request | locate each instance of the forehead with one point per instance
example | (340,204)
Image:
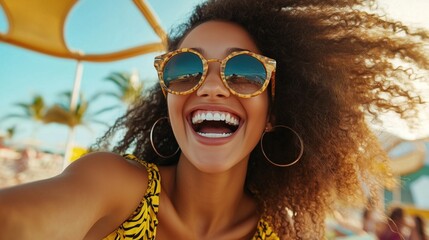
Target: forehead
(216,37)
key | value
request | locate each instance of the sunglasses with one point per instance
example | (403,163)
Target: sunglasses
(244,73)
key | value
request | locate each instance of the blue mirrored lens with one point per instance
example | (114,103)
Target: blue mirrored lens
(245,74)
(183,71)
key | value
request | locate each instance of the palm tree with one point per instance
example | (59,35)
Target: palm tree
(10,132)
(60,113)
(35,111)
(129,88)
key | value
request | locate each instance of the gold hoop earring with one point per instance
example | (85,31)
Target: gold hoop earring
(153,145)
(301,142)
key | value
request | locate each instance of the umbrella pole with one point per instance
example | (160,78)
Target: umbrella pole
(69,148)
(73,104)
(76,86)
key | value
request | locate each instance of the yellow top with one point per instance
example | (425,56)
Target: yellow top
(143,222)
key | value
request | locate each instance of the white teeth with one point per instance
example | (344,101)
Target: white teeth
(209,116)
(214,135)
(215,116)
(222,117)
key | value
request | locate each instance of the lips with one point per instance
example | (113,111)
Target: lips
(214,124)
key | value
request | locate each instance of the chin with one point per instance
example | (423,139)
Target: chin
(213,163)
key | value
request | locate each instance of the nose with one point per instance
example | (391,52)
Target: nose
(213,85)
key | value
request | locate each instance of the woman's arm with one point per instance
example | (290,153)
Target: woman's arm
(88,200)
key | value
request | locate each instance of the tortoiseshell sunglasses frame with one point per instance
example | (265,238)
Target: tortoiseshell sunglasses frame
(269,64)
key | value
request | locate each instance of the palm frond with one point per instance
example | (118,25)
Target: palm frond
(106,109)
(100,122)
(113,94)
(57,114)
(11,131)
(119,79)
(14,115)
(26,108)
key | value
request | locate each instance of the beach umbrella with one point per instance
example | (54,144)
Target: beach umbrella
(407,156)
(38,25)
(408,160)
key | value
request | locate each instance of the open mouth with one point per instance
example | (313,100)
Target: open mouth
(214,124)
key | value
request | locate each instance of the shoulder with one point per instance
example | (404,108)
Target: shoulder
(116,180)
(109,168)
(106,165)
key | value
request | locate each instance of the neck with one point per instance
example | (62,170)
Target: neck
(211,201)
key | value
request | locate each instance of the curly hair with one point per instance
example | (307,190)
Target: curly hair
(335,70)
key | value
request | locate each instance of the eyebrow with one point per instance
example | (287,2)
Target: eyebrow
(230,50)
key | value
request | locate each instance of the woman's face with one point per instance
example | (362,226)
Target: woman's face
(216,146)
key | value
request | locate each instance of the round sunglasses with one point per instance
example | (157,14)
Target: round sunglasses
(244,73)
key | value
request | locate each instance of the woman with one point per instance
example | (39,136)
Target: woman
(395,227)
(418,231)
(257,126)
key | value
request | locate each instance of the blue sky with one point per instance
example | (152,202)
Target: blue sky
(92,28)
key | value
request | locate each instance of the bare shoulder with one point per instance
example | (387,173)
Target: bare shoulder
(102,163)
(118,183)
(112,173)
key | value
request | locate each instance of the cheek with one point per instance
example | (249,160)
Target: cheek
(257,110)
(261,105)
(175,110)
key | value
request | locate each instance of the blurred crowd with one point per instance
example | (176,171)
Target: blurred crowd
(27,165)
(396,224)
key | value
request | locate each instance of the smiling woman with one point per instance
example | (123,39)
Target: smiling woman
(256,127)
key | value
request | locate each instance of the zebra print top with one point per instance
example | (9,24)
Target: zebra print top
(142,223)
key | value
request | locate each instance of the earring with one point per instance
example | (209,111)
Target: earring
(278,139)
(153,145)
